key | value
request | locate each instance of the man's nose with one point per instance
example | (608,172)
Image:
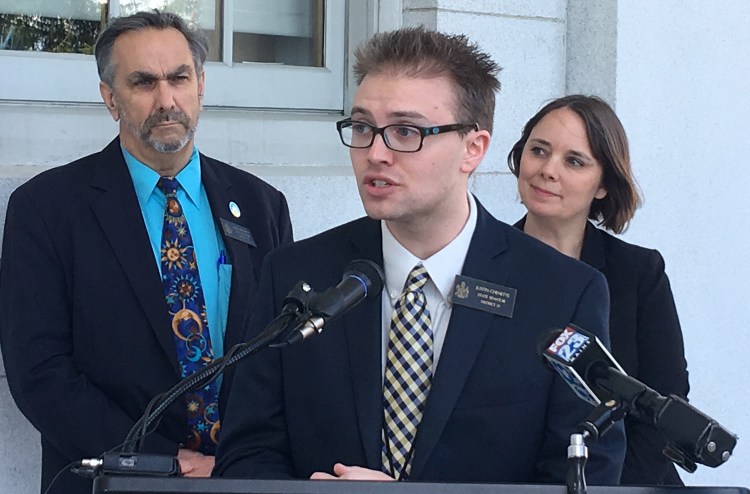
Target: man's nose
(164,95)
(379,152)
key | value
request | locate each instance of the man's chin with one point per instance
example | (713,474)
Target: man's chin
(169,146)
(378,213)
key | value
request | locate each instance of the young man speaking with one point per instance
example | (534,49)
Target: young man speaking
(424,382)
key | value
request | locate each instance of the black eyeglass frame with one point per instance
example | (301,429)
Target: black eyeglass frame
(423,132)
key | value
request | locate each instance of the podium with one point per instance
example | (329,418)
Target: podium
(177,485)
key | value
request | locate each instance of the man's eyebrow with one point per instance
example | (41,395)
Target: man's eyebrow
(395,114)
(144,75)
(182,69)
(359,109)
(409,114)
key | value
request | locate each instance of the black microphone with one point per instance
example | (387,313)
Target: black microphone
(362,279)
(595,376)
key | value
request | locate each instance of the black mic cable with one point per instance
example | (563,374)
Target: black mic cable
(198,379)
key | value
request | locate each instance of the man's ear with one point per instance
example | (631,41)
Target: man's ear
(477,143)
(201,86)
(108,96)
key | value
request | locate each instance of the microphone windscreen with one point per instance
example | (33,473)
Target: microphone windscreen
(565,352)
(369,270)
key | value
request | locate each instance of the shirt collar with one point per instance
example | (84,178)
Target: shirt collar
(443,266)
(145,178)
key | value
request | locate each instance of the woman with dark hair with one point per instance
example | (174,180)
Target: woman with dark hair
(573,168)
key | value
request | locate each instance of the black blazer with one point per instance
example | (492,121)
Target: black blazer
(84,329)
(495,413)
(646,341)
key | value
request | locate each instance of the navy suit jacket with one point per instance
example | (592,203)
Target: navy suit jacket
(86,337)
(495,413)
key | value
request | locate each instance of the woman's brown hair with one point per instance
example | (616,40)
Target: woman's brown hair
(609,144)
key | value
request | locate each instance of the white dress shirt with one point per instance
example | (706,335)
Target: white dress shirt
(443,266)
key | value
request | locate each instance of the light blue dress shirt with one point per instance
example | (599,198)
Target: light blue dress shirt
(213,265)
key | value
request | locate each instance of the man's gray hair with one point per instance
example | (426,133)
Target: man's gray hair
(197,41)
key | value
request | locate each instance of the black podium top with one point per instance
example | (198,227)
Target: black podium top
(177,485)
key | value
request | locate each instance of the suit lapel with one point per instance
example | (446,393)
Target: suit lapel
(219,192)
(120,218)
(594,252)
(466,333)
(363,333)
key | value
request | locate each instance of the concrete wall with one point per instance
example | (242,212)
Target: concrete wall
(676,72)
(682,93)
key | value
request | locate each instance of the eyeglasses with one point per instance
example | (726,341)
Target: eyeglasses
(398,137)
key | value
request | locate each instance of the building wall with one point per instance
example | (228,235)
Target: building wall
(682,93)
(674,72)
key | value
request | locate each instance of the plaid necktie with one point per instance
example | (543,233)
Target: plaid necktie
(408,374)
(187,307)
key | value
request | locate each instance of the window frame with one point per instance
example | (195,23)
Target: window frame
(70,77)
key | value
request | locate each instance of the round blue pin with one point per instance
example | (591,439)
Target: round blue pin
(234,209)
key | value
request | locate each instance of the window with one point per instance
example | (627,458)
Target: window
(263,53)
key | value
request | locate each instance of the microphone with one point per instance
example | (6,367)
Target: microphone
(362,279)
(595,376)
(561,348)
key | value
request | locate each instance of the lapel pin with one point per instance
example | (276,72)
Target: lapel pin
(234,209)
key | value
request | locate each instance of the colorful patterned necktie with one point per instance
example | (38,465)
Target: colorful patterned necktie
(408,374)
(187,307)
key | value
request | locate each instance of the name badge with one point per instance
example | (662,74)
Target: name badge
(488,297)
(238,232)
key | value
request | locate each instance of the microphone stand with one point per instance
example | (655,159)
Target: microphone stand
(595,426)
(578,453)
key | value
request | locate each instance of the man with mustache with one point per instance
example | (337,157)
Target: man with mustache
(128,269)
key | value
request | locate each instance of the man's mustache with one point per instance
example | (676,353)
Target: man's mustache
(166,116)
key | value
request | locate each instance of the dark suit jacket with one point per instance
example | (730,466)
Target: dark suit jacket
(646,341)
(86,337)
(495,413)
